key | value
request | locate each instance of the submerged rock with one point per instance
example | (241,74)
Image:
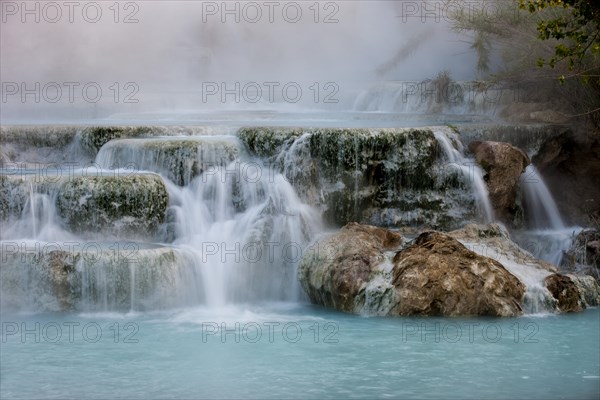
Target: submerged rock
(503,165)
(434,275)
(131,205)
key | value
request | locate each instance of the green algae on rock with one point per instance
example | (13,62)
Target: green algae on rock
(120,205)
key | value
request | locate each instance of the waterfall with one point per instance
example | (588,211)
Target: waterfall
(470,171)
(234,232)
(540,207)
(240,221)
(548,237)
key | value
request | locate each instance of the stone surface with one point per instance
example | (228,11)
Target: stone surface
(383,177)
(565,291)
(503,165)
(584,253)
(131,205)
(179,159)
(35,277)
(437,275)
(332,274)
(13,197)
(360,270)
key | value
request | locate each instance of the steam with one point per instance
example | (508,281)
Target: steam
(176,46)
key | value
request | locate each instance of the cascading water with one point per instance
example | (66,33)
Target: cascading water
(542,211)
(234,228)
(235,231)
(548,237)
(470,171)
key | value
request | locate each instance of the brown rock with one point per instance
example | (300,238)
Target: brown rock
(333,274)
(565,291)
(503,165)
(437,275)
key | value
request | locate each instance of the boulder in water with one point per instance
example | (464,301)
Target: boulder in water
(333,275)
(503,165)
(565,291)
(437,275)
(434,275)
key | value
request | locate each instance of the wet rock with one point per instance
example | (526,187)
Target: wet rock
(13,197)
(584,254)
(94,137)
(130,206)
(437,275)
(589,290)
(61,266)
(383,177)
(565,291)
(339,265)
(179,159)
(494,241)
(358,270)
(503,165)
(35,277)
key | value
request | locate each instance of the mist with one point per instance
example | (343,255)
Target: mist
(168,50)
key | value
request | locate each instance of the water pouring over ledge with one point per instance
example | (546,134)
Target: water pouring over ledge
(229,209)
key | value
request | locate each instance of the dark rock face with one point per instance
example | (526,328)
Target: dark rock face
(565,291)
(570,166)
(503,165)
(437,275)
(356,270)
(584,254)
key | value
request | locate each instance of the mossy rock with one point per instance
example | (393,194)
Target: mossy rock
(132,206)
(13,196)
(366,175)
(93,138)
(179,159)
(267,142)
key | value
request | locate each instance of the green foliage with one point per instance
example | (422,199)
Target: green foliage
(574,24)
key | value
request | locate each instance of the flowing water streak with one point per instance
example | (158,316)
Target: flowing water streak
(242,221)
(539,203)
(548,237)
(469,170)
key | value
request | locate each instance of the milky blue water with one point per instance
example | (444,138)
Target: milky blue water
(297,351)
